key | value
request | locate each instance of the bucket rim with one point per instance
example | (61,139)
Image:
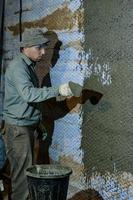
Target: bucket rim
(48,167)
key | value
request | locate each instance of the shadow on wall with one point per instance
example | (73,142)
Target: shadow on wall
(49,59)
(52,109)
(49,107)
(88,194)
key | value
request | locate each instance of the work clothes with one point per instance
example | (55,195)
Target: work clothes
(22,115)
(33,38)
(19,143)
(22,94)
(2,152)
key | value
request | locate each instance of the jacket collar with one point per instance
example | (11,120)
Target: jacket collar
(27,60)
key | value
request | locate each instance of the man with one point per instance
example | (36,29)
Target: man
(21,108)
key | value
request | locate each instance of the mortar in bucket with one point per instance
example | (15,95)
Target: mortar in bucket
(48,182)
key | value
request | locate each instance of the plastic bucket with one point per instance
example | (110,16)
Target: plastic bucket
(48,182)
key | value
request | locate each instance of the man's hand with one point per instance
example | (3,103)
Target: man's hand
(65,90)
(70,89)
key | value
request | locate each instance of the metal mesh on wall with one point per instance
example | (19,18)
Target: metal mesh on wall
(108,127)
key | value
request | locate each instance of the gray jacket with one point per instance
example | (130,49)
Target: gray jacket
(22,93)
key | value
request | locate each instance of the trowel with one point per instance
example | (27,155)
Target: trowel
(87,91)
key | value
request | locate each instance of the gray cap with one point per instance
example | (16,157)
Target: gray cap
(33,38)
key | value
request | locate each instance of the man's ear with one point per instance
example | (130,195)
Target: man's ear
(21,49)
(24,49)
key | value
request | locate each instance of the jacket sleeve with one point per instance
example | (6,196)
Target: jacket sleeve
(23,82)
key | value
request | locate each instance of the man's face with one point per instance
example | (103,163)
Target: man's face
(35,53)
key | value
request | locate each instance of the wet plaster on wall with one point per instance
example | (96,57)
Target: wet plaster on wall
(107,128)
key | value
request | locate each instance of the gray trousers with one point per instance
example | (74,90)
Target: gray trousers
(19,141)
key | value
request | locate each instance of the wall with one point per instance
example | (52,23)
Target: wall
(107,128)
(92,45)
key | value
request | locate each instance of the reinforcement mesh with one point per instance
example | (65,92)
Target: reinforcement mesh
(108,127)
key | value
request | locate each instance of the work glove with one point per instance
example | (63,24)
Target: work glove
(70,89)
(65,90)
